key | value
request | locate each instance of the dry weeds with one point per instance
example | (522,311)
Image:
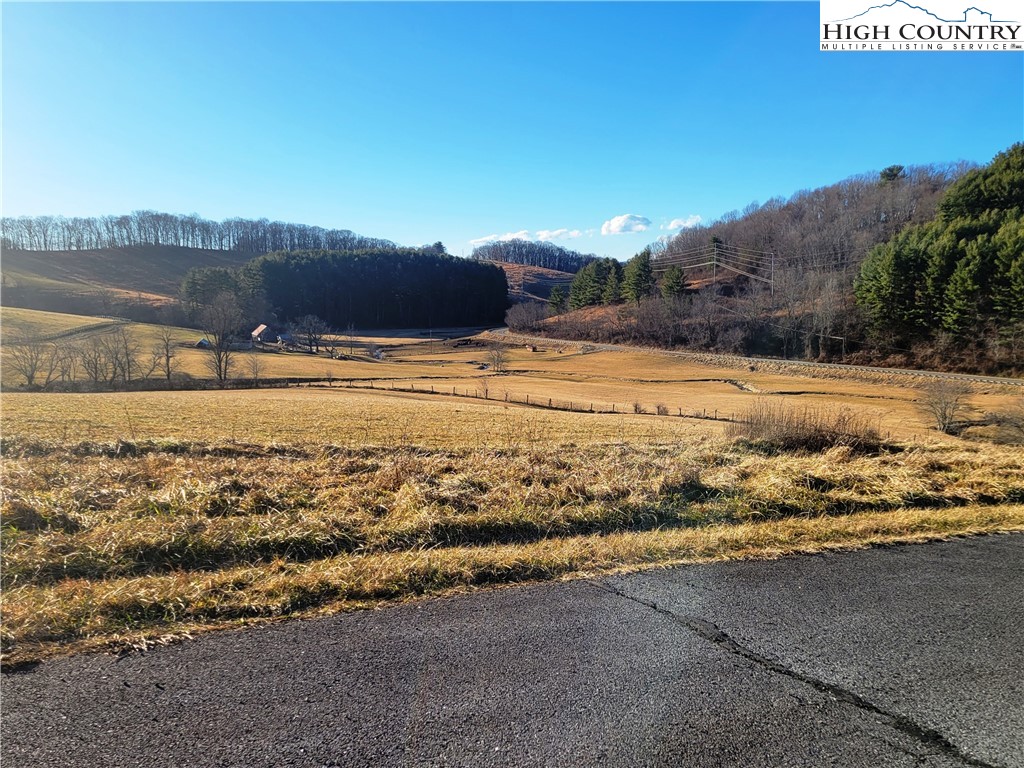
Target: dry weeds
(129,542)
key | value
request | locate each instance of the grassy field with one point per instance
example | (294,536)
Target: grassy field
(565,375)
(16,322)
(138,517)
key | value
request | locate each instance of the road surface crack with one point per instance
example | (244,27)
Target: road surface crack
(929,737)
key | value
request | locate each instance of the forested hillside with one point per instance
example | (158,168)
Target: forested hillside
(533,254)
(935,253)
(369,288)
(957,280)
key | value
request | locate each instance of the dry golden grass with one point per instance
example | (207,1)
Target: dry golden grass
(322,415)
(563,374)
(16,322)
(109,543)
(130,517)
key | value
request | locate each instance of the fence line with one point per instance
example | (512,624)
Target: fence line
(551,404)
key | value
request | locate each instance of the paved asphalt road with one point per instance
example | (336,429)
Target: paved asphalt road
(904,656)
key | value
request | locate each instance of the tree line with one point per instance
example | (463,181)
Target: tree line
(108,360)
(958,279)
(369,288)
(143,228)
(533,254)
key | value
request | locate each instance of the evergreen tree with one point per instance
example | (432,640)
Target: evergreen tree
(557,300)
(959,272)
(673,284)
(586,287)
(960,310)
(638,277)
(612,292)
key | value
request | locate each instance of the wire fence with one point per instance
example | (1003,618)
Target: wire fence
(488,394)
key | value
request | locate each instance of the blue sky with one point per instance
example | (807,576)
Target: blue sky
(423,121)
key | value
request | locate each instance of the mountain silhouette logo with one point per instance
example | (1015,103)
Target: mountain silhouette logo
(903,5)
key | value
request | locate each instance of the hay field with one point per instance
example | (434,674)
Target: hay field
(133,518)
(623,381)
(335,416)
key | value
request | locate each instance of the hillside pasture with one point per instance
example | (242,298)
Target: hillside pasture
(15,323)
(152,271)
(415,363)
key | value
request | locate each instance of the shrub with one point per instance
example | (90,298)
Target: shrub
(784,428)
(945,401)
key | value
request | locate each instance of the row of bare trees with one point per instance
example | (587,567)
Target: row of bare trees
(60,233)
(808,314)
(113,359)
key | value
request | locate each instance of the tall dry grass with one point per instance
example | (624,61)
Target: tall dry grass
(120,542)
(777,425)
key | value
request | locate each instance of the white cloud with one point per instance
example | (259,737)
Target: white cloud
(543,234)
(690,221)
(484,240)
(628,222)
(520,235)
(558,234)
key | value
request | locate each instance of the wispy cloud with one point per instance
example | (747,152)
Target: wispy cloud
(628,222)
(542,234)
(690,221)
(520,235)
(558,234)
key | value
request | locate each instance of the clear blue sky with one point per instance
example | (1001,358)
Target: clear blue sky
(422,122)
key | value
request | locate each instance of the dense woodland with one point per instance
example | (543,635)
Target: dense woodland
(141,228)
(533,254)
(957,280)
(368,288)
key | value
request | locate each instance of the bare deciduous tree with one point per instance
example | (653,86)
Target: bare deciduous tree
(311,331)
(122,350)
(220,320)
(254,362)
(350,337)
(66,358)
(164,353)
(28,356)
(93,357)
(527,316)
(497,357)
(945,400)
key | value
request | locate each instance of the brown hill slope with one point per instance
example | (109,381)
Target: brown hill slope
(154,271)
(526,283)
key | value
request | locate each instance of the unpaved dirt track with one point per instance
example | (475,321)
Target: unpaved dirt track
(902,656)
